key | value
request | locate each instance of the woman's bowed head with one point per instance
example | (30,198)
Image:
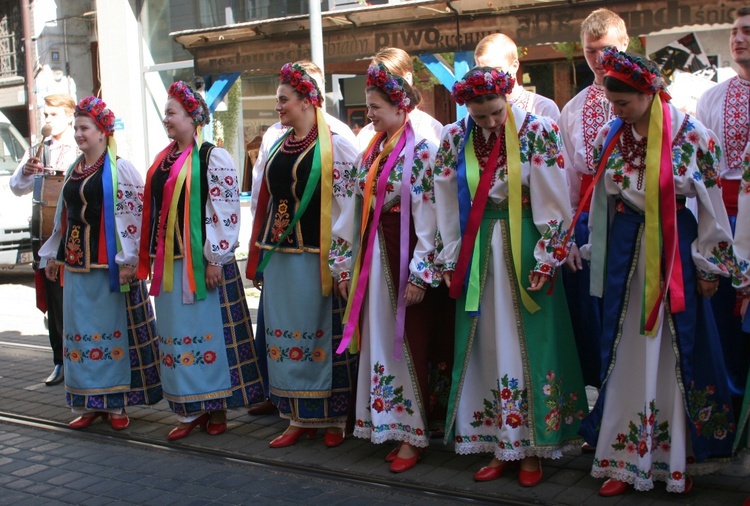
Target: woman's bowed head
(639,73)
(481,81)
(191,101)
(295,76)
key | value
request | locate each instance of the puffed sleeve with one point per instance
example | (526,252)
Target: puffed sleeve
(20,183)
(345,162)
(222,208)
(712,252)
(567,129)
(550,203)
(446,195)
(128,211)
(422,270)
(742,229)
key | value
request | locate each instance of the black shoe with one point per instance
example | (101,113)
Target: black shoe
(56,377)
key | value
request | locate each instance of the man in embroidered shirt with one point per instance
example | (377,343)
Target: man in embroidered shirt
(499,51)
(725,109)
(58,154)
(580,121)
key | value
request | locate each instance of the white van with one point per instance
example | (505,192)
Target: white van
(15,212)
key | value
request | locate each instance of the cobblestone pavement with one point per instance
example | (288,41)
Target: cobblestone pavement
(22,392)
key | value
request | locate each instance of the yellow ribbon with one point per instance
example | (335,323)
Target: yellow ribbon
(325,146)
(652,283)
(513,149)
(168,282)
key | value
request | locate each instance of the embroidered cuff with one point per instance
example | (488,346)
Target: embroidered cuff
(417,281)
(705,276)
(343,276)
(216,264)
(744,292)
(545,269)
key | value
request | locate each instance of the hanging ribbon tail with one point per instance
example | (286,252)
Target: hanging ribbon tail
(196,268)
(403,274)
(358,296)
(324,155)
(653,289)
(109,188)
(144,258)
(669,219)
(599,215)
(464,201)
(515,208)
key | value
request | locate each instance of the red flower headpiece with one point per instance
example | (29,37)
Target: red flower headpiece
(631,70)
(482,81)
(192,102)
(296,77)
(390,84)
(96,109)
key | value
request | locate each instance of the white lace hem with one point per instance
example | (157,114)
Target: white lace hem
(508,455)
(392,435)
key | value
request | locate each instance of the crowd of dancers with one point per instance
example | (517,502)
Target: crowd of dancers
(468,280)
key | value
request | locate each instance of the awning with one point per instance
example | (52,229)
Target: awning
(426,26)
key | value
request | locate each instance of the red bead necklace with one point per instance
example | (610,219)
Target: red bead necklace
(292,147)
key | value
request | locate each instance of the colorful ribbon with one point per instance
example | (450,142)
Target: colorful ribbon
(109,203)
(473,192)
(363,262)
(321,172)
(184,176)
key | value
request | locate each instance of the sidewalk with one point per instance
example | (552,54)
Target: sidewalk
(566,481)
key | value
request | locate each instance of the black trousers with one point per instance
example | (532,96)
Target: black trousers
(55,318)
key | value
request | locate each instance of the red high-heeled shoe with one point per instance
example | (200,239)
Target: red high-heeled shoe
(333,439)
(489,473)
(84,421)
(214,429)
(392,454)
(399,465)
(530,478)
(120,423)
(613,487)
(181,432)
(290,438)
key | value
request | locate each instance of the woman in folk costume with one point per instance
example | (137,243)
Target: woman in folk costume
(503,207)
(664,404)
(110,350)
(395,233)
(305,180)
(191,210)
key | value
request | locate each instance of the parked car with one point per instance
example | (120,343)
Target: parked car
(15,212)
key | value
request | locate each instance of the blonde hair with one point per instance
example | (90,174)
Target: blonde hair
(598,23)
(314,71)
(494,46)
(396,60)
(61,100)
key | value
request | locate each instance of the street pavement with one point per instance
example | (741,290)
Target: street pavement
(40,465)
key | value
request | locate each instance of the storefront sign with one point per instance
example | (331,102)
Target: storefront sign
(453,33)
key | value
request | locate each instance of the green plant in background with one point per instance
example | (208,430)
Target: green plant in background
(225,122)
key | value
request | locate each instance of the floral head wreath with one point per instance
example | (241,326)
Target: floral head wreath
(390,84)
(192,102)
(296,77)
(633,71)
(96,109)
(482,81)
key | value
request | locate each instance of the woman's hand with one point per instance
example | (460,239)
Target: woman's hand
(537,280)
(258,282)
(127,274)
(213,276)
(344,287)
(707,288)
(414,294)
(743,307)
(448,278)
(50,270)
(574,263)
